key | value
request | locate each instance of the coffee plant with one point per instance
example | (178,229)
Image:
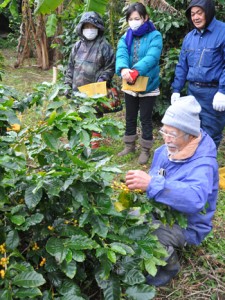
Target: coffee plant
(67,230)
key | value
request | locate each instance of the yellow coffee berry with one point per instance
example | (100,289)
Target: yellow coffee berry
(43,261)
(2,274)
(2,248)
(4,261)
(35,247)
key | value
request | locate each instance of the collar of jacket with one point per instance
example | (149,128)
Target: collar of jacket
(188,151)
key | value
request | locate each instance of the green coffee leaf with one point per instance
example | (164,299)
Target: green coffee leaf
(17,219)
(56,248)
(12,239)
(28,293)
(140,292)
(29,279)
(134,277)
(32,199)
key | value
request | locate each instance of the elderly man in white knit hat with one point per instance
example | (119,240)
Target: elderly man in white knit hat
(184,176)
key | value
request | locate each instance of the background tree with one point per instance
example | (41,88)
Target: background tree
(42,26)
(47,30)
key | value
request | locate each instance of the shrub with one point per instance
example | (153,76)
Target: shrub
(62,233)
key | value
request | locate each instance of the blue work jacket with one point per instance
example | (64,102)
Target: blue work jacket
(149,48)
(202,57)
(189,186)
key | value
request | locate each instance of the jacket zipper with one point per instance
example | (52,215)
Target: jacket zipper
(201,57)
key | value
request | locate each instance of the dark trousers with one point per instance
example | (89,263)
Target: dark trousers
(145,106)
(212,121)
(171,238)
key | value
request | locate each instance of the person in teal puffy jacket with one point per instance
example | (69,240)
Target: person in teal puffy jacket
(138,54)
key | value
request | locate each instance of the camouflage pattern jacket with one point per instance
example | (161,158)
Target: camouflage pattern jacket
(90,60)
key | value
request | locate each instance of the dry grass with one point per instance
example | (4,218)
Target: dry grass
(25,77)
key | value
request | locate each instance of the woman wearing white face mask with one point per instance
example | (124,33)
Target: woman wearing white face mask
(90,32)
(138,53)
(92,58)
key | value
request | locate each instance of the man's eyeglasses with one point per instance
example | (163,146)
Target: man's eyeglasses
(170,135)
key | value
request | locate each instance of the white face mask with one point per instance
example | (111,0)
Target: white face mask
(90,33)
(135,24)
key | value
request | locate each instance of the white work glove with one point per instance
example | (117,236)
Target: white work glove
(175,97)
(219,102)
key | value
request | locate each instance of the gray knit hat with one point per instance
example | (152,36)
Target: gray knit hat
(184,115)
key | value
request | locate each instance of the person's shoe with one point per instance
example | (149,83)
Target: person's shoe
(146,145)
(129,141)
(165,274)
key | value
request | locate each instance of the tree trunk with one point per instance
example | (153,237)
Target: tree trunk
(42,42)
(57,55)
(32,38)
(161,5)
(157,4)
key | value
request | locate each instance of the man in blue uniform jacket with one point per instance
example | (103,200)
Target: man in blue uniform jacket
(202,64)
(184,176)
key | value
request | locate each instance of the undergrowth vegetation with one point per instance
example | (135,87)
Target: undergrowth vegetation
(69,227)
(67,231)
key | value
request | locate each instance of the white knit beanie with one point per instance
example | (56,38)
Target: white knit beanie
(184,115)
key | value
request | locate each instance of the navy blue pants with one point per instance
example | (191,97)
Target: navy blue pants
(212,121)
(145,105)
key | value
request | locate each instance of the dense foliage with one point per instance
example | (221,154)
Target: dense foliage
(68,228)
(66,231)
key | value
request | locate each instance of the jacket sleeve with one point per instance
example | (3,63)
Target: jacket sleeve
(181,70)
(70,67)
(188,196)
(222,77)
(122,57)
(108,70)
(151,59)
